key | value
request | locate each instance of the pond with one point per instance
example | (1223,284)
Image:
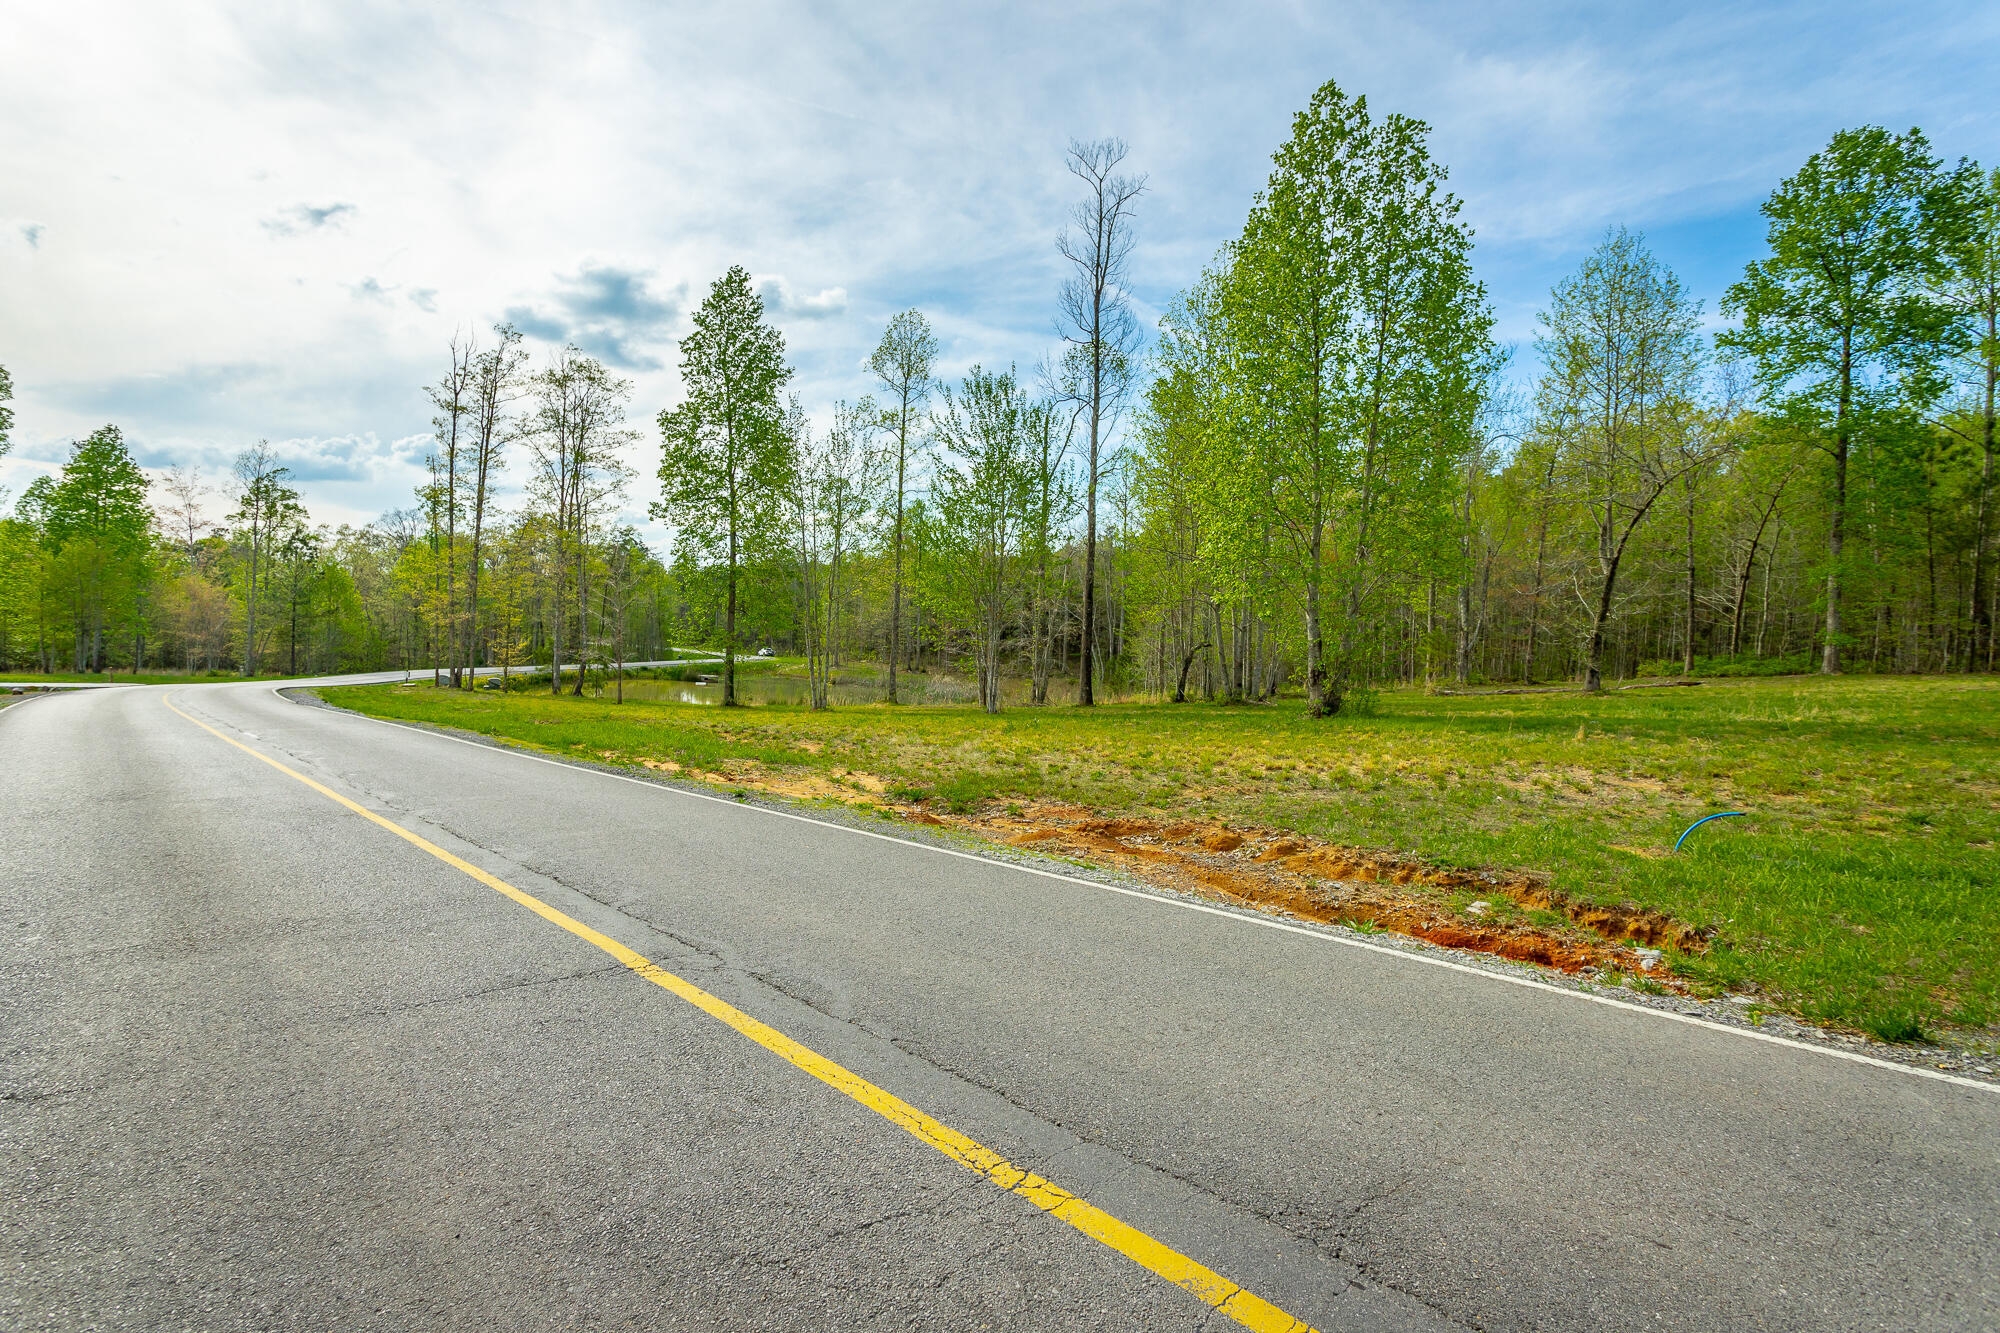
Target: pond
(867,687)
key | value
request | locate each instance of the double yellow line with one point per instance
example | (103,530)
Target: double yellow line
(1245,1307)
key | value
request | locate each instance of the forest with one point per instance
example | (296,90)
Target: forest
(1318,477)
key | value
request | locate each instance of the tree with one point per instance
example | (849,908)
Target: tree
(183,514)
(808,505)
(1345,346)
(6,412)
(577,428)
(1095,317)
(838,480)
(903,363)
(1971,290)
(265,504)
(96,522)
(1047,424)
(1620,351)
(984,491)
(627,564)
(299,547)
(727,459)
(1838,321)
(496,378)
(452,397)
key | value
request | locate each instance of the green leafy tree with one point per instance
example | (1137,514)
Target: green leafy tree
(1839,320)
(727,457)
(1971,289)
(1351,340)
(97,523)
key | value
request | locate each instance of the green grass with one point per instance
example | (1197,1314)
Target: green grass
(1863,890)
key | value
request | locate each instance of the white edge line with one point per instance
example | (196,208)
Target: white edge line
(1147,896)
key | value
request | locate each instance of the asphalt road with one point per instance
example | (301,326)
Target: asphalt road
(269,1065)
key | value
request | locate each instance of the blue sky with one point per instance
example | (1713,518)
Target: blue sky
(226,222)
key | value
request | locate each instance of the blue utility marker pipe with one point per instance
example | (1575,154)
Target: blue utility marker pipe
(1726,814)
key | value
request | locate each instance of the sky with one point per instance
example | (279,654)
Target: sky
(221,223)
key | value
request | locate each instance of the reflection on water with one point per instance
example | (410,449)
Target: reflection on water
(758,687)
(764,687)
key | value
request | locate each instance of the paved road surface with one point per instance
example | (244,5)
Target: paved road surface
(268,1065)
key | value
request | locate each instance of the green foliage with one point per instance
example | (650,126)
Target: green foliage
(1841,322)
(1720,667)
(728,458)
(1841,309)
(1324,378)
(982,496)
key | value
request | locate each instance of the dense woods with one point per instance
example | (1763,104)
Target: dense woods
(1318,476)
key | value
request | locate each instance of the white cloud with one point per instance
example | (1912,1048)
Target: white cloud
(273,219)
(781,298)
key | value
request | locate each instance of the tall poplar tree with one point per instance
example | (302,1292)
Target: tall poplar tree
(727,456)
(1351,339)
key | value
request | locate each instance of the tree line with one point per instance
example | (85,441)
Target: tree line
(1317,476)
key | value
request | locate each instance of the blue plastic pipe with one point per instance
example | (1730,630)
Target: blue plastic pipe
(1726,814)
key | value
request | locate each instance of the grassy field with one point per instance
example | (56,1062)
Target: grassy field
(1863,891)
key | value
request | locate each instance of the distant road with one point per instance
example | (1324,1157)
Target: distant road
(111,680)
(350,1044)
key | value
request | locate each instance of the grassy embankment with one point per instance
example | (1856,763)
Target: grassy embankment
(1863,891)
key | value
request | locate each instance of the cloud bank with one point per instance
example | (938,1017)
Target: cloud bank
(234,221)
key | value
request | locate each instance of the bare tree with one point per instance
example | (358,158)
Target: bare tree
(577,427)
(452,397)
(183,514)
(1095,318)
(496,378)
(1619,343)
(903,362)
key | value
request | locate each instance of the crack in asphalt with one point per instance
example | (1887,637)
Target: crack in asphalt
(525,984)
(1314,1231)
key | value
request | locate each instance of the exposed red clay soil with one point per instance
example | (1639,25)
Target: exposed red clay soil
(1331,884)
(1278,871)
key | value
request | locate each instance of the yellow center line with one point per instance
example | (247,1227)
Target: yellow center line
(1245,1307)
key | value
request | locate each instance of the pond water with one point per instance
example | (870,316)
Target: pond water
(764,687)
(759,687)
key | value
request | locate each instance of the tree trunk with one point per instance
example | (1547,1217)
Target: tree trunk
(1980,642)
(896,587)
(729,630)
(1687,649)
(1835,533)
(1187,661)
(1593,669)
